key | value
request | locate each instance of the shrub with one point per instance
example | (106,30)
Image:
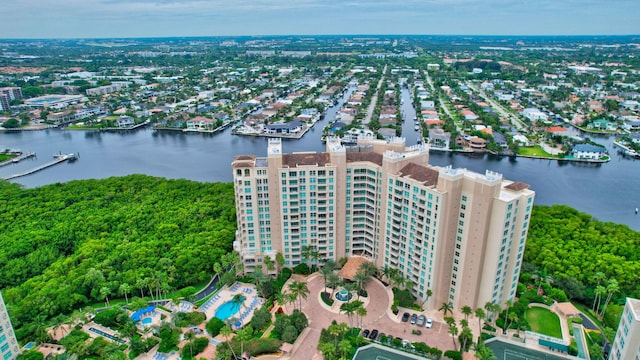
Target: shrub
(326,298)
(214,325)
(169,339)
(74,337)
(261,319)
(107,317)
(453,355)
(259,346)
(197,346)
(302,269)
(404,297)
(189,319)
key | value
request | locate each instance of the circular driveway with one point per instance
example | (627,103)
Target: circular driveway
(379,316)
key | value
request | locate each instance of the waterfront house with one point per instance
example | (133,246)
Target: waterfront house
(201,123)
(602,124)
(440,139)
(631,125)
(588,152)
(293,127)
(534,114)
(125,121)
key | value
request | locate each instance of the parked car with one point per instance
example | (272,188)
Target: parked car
(414,318)
(381,336)
(365,333)
(405,317)
(429,323)
(374,334)
(421,320)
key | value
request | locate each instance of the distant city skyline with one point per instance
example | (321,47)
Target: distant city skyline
(168,18)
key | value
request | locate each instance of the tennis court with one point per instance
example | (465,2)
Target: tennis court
(507,351)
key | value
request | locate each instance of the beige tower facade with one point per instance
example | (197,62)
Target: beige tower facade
(626,344)
(8,344)
(457,233)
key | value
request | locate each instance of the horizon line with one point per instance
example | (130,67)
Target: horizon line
(319,35)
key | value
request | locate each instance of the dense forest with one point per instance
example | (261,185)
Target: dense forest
(64,246)
(579,254)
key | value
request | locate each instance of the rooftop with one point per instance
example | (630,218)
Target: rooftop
(423,174)
(517,186)
(369,156)
(350,269)
(302,159)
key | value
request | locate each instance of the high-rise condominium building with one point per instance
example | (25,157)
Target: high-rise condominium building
(457,233)
(626,345)
(8,344)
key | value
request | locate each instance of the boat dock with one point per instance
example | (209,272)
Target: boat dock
(18,159)
(57,160)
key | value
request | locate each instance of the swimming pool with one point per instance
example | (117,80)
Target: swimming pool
(147,321)
(227,310)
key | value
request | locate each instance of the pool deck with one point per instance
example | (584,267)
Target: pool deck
(252,301)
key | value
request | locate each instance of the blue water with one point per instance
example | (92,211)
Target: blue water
(227,310)
(147,321)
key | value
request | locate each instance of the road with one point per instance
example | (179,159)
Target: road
(443,105)
(512,118)
(374,98)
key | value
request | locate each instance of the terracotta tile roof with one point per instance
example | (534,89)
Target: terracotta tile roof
(293,160)
(425,175)
(350,269)
(364,156)
(517,186)
(244,157)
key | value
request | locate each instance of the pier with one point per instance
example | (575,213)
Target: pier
(57,160)
(18,159)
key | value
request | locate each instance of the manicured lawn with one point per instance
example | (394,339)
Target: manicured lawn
(544,322)
(5,157)
(535,150)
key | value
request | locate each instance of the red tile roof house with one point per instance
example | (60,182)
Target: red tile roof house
(556,130)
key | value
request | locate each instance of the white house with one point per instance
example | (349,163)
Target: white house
(534,114)
(588,152)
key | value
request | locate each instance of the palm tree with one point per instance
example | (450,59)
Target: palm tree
(333,280)
(189,336)
(429,294)
(480,315)
(465,335)
(361,311)
(360,279)
(259,278)
(368,268)
(600,290)
(345,348)
(598,277)
(325,272)
(386,273)
(238,300)
(124,289)
(513,317)
(268,262)
(300,290)
(446,308)
(509,304)
(349,311)
(105,291)
(226,332)
(466,310)
(453,331)
(484,353)
(612,288)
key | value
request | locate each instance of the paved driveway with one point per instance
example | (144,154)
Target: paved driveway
(378,317)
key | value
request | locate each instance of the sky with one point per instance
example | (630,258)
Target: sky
(169,18)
